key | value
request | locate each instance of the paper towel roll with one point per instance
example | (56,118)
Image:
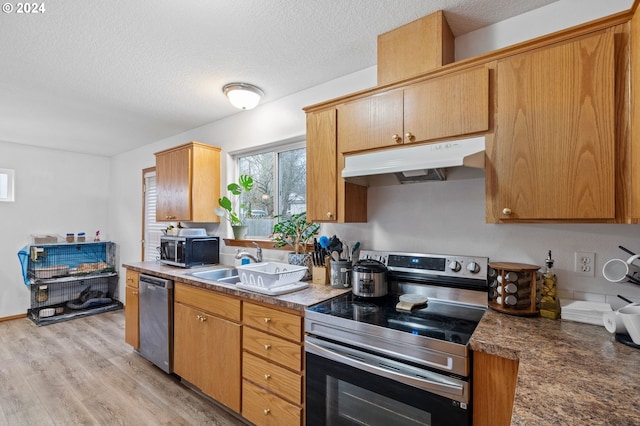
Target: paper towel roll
(613,322)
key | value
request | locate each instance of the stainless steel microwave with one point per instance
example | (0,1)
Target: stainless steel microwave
(188,251)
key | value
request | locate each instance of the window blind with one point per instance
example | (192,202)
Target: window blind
(152,229)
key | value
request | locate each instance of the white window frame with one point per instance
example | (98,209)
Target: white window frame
(7,185)
(290,145)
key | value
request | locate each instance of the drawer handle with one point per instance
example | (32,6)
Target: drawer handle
(267,347)
(267,376)
(267,320)
(506,211)
(266,412)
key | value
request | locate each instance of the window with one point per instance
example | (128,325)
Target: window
(279,187)
(6,185)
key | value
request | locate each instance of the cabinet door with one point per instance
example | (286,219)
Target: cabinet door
(373,122)
(447,106)
(132,316)
(322,170)
(173,185)
(553,153)
(207,354)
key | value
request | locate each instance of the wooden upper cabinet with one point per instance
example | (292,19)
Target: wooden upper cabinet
(442,107)
(419,46)
(372,122)
(188,183)
(329,197)
(553,156)
(322,169)
(448,106)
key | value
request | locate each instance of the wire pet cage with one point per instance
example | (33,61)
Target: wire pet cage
(71,280)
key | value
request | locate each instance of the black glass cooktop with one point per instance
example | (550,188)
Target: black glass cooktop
(439,319)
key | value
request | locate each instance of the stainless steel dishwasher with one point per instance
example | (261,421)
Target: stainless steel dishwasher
(156,321)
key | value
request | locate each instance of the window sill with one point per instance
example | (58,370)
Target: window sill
(264,244)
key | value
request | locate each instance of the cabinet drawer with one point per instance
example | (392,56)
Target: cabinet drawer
(281,381)
(264,408)
(132,278)
(272,348)
(208,301)
(272,321)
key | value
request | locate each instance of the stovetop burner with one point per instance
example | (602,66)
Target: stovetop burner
(439,319)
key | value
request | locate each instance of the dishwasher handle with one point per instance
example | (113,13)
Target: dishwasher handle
(156,281)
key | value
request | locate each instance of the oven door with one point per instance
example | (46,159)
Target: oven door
(345,386)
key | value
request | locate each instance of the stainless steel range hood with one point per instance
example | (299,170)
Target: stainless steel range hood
(417,163)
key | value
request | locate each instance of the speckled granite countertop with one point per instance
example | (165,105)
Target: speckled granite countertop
(297,300)
(569,373)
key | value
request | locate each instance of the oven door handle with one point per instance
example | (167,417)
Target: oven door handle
(428,381)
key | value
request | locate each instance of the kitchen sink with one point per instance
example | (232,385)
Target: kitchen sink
(233,279)
(224,275)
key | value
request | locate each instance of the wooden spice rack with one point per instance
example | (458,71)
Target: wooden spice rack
(513,288)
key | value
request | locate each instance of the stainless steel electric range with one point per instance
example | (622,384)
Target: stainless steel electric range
(371,361)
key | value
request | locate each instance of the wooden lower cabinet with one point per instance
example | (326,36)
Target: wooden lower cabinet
(272,366)
(494,387)
(207,347)
(131,310)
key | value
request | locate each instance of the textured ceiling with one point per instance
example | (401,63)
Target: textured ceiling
(104,77)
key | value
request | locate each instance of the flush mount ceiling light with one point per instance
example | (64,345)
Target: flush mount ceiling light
(243,95)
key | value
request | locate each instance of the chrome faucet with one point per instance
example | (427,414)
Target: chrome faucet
(244,253)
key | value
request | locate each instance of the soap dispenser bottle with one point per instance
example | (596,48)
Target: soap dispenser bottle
(549,302)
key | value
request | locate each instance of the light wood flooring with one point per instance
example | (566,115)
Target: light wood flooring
(81,372)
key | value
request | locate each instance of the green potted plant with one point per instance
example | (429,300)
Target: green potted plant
(235,211)
(296,232)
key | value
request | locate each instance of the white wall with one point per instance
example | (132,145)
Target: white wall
(55,192)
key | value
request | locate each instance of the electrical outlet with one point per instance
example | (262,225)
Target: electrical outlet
(585,264)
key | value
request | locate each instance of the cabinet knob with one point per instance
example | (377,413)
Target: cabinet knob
(267,347)
(135,293)
(506,211)
(409,136)
(396,138)
(267,320)
(329,214)
(266,411)
(267,376)
(201,318)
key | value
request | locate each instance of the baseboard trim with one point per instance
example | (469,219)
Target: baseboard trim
(13,317)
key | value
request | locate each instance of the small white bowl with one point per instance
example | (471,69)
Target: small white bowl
(631,318)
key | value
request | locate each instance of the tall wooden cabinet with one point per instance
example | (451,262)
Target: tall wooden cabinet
(329,197)
(207,342)
(442,107)
(553,156)
(188,183)
(131,310)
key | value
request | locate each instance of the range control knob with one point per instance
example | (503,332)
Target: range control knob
(473,267)
(454,265)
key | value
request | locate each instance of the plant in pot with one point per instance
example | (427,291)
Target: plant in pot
(296,232)
(235,211)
